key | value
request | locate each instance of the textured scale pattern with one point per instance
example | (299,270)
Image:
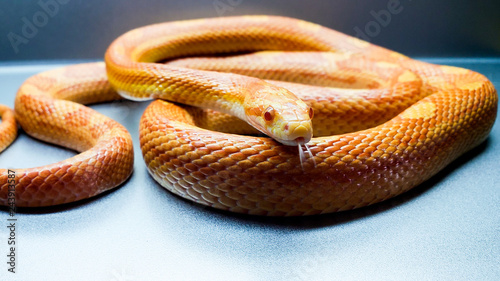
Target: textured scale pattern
(46,108)
(449,111)
(383,123)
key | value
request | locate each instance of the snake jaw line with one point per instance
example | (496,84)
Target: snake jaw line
(132,97)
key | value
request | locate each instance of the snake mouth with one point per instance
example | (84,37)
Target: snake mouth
(294,142)
(296,133)
(300,140)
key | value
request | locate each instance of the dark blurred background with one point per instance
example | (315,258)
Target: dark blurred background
(78,29)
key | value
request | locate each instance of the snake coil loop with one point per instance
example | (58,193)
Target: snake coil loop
(383,123)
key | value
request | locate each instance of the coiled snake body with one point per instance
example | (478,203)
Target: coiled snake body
(383,123)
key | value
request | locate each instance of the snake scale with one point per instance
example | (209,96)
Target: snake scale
(382,123)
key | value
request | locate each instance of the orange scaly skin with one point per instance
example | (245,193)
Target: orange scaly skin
(455,111)
(8,127)
(45,110)
(420,118)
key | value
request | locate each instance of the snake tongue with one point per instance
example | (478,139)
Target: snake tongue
(300,140)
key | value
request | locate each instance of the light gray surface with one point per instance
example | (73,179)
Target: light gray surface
(445,229)
(82,29)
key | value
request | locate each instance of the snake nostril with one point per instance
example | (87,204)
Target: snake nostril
(285,127)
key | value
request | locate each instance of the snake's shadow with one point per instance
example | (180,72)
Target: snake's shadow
(317,221)
(64,207)
(308,222)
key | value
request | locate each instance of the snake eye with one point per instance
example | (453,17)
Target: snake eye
(269,114)
(311,113)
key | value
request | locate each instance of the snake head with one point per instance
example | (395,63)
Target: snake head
(279,114)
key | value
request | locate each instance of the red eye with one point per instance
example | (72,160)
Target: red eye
(269,114)
(311,113)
